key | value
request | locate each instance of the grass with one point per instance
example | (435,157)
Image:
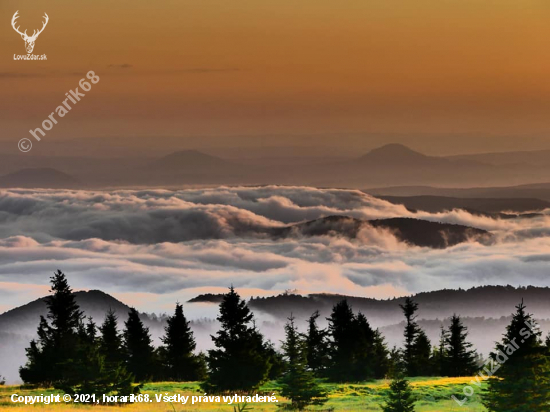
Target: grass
(433,394)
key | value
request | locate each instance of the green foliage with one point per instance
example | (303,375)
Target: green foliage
(411,331)
(89,374)
(139,351)
(178,359)
(241,408)
(357,352)
(317,345)
(58,337)
(522,382)
(110,341)
(298,384)
(459,358)
(400,398)
(421,362)
(277,362)
(417,352)
(67,354)
(439,354)
(240,361)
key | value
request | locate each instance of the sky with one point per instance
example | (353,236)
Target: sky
(204,67)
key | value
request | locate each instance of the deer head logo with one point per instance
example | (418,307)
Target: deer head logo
(29,40)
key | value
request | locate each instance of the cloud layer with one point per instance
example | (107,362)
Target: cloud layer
(168,245)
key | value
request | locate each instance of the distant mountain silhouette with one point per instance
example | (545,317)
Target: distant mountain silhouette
(498,207)
(397,164)
(192,166)
(536,192)
(530,157)
(485,310)
(94,303)
(388,165)
(39,178)
(189,161)
(398,154)
(207,298)
(412,231)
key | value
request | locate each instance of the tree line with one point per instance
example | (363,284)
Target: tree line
(75,355)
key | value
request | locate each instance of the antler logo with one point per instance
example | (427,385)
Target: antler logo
(29,40)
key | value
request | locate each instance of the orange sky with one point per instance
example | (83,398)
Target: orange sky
(250,66)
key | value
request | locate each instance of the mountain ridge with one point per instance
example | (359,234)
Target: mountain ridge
(39,178)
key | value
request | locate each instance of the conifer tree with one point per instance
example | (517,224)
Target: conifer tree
(422,363)
(317,345)
(58,337)
(396,366)
(400,397)
(110,341)
(298,384)
(240,361)
(139,351)
(363,352)
(66,355)
(460,359)
(411,331)
(276,361)
(522,382)
(342,327)
(179,361)
(40,359)
(357,352)
(89,373)
(440,353)
(381,356)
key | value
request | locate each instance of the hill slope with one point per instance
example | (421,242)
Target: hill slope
(435,204)
(39,178)
(412,231)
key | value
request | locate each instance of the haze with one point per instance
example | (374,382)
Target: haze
(446,77)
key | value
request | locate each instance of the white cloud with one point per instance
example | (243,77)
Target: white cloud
(167,244)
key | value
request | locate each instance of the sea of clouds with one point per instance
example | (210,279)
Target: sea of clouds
(151,248)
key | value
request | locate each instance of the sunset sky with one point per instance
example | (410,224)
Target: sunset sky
(208,67)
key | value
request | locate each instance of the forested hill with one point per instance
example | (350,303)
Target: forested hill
(415,232)
(95,303)
(484,301)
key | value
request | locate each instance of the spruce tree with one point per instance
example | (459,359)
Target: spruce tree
(357,351)
(422,362)
(363,353)
(276,361)
(58,336)
(381,356)
(110,341)
(342,327)
(400,397)
(89,373)
(66,355)
(460,359)
(298,383)
(522,382)
(411,331)
(317,345)
(40,358)
(179,361)
(139,351)
(240,361)
(440,353)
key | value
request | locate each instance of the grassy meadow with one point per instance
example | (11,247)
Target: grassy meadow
(433,394)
